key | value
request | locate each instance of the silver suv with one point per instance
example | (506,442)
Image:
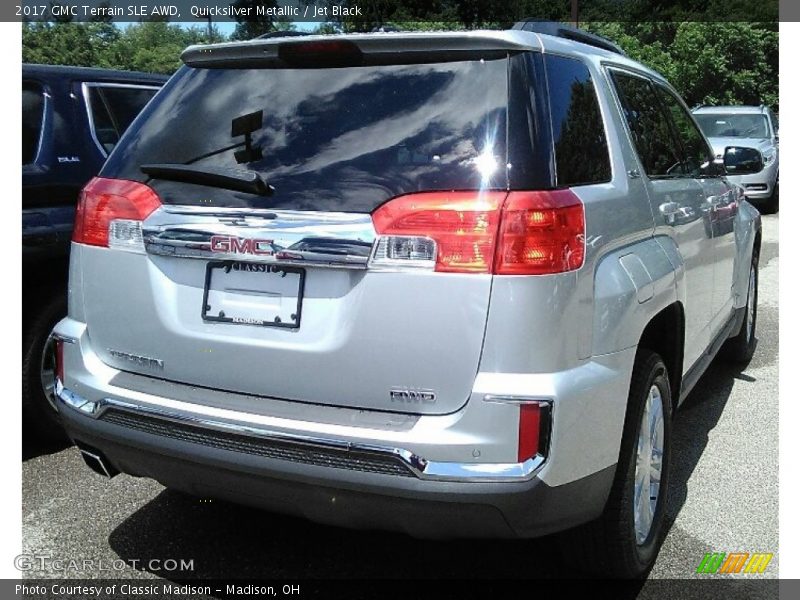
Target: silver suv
(453,284)
(753,127)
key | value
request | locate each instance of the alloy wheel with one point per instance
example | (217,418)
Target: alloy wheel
(649,455)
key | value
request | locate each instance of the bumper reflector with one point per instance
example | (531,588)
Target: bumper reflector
(529,426)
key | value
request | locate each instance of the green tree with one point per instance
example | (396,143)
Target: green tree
(152,46)
(727,63)
(254,25)
(59,44)
(707,62)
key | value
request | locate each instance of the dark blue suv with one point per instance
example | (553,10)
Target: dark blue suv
(71,119)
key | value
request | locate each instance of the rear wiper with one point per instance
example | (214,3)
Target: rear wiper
(239,180)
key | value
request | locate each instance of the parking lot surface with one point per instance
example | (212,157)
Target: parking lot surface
(724,498)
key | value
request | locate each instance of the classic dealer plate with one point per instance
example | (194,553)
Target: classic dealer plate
(253,294)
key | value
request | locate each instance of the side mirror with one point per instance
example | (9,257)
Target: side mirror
(742,161)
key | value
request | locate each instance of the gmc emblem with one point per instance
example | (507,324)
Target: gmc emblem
(230,244)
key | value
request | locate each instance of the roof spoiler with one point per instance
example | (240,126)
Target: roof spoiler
(353,50)
(568,32)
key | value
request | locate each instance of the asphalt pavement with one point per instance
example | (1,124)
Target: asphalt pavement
(724,498)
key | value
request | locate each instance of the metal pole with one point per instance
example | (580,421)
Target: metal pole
(575,12)
(210,31)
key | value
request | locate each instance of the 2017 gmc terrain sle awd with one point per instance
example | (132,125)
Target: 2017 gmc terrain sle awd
(453,284)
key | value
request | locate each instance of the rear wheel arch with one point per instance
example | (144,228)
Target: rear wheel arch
(609,546)
(664,334)
(624,540)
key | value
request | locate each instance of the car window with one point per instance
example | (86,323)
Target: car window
(739,125)
(774,118)
(113,109)
(697,154)
(104,130)
(343,139)
(649,127)
(32,119)
(579,138)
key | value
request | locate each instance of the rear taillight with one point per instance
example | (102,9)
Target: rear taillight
(516,233)
(540,233)
(110,213)
(448,231)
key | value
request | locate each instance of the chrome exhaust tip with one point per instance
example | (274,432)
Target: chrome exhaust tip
(95,460)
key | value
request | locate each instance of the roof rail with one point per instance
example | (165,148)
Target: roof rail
(568,32)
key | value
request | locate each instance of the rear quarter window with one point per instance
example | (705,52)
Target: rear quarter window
(579,138)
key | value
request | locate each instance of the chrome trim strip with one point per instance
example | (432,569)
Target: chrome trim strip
(47,100)
(47,116)
(281,237)
(517,399)
(73,400)
(421,467)
(177,251)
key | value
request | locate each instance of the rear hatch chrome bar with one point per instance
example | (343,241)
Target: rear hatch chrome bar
(313,239)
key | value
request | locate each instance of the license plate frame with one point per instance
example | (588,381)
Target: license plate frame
(269,270)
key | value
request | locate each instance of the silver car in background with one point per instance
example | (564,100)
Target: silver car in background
(452,284)
(752,127)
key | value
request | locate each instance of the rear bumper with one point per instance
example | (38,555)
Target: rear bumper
(344,497)
(188,423)
(430,476)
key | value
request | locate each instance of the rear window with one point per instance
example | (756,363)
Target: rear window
(741,125)
(32,118)
(339,139)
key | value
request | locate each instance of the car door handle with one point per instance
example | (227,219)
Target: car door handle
(669,209)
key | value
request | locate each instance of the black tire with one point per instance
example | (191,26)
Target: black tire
(740,348)
(770,207)
(608,547)
(38,413)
